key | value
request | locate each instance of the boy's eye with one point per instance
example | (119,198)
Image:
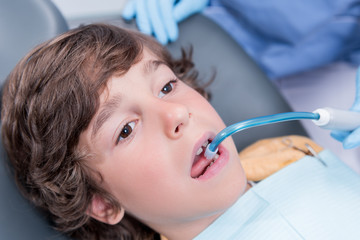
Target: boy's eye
(125,131)
(167,88)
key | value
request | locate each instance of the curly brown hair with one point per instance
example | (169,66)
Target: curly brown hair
(49,99)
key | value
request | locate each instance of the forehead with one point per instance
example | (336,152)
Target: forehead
(148,63)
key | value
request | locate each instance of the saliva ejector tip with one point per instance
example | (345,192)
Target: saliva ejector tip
(210,154)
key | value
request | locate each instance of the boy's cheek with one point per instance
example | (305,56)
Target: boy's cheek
(151,193)
(198,104)
(150,170)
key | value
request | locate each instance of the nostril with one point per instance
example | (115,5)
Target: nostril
(177,129)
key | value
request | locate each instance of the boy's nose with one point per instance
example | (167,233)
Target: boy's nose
(175,117)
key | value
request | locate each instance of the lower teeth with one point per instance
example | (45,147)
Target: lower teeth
(211,163)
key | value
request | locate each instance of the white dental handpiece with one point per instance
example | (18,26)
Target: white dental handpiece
(336,119)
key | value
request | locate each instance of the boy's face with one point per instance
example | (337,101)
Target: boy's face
(145,138)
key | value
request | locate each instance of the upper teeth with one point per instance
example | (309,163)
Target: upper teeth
(201,148)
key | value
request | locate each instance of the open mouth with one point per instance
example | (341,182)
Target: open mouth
(201,164)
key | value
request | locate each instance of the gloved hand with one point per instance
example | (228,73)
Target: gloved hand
(160,17)
(351,139)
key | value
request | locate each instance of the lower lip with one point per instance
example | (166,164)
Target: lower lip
(217,166)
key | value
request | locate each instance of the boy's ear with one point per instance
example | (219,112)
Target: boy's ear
(103,211)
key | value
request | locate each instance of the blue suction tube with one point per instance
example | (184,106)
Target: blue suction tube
(211,149)
(327,118)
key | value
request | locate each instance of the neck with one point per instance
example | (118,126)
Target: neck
(188,230)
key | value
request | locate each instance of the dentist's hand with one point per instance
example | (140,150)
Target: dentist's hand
(160,17)
(351,139)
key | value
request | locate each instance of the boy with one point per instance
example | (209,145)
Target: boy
(98,125)
(106,132)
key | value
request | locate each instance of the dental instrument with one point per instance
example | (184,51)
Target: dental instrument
(327,118)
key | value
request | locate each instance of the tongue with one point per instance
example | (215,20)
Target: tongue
(199,166)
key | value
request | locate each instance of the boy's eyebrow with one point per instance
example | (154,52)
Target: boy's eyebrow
(152,65)
(105,113)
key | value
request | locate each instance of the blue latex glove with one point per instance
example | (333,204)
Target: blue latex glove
(160,17)
(351,139)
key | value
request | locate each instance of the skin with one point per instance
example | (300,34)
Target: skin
(148,170)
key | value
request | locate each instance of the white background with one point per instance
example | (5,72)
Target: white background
(86,9)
